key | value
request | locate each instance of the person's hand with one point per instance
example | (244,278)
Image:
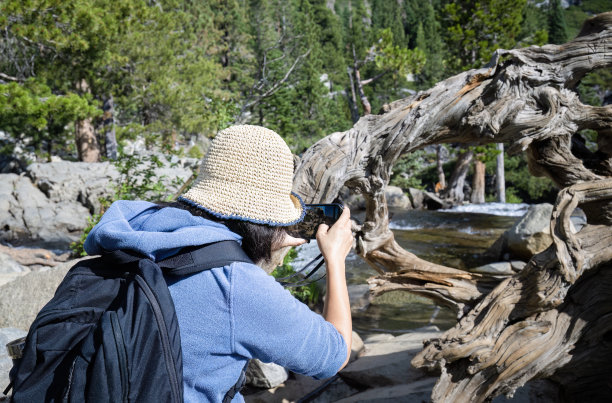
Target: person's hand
(335,242)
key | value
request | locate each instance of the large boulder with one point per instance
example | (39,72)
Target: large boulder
(528,236)
(28,216)
(265,375)
(22,298)
(49,205)
(531,234)
(10,269)
(396,198)
(82,182)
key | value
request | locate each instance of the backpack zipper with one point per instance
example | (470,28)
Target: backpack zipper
(119,343)
(163,331)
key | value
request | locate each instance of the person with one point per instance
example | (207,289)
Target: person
(228,315)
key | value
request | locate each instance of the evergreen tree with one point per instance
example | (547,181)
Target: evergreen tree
(475,29)
(557,28)
(427,38)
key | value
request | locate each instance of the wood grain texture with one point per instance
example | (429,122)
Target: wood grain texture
(551,321)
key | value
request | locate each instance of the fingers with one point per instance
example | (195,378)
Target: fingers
(345,216)
(322,230)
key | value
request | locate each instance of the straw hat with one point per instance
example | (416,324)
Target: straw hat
(247,174)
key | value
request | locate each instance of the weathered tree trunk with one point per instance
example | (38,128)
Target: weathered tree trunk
(550,321)
(478,182)
(87,145)
(86,141)
(454,192)
(110,142)
(500,176)
(441,185)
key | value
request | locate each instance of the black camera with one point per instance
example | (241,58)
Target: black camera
(315,215)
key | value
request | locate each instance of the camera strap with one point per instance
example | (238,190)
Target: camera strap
(299,279)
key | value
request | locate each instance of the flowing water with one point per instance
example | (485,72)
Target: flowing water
(455,238)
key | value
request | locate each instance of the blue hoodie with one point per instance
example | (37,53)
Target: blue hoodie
(226,315)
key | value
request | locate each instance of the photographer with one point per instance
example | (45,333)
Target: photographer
(230,314)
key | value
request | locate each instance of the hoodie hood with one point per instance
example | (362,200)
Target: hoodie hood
(149,230)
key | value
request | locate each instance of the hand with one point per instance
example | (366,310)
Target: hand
(336,242)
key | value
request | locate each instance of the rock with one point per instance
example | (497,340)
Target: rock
(387,362)
(7,334)
(418,391)
(265,375)
(378,337)
(359,296)
(21,299)
(357,346)
(300,387)
(498,268)
(396,198)
(528,236)
(82,182)
(335,391)
(416,198)
(432,202)
(531,234)
(9,265)
(10,269)
(517,265)
(27,216)
(51,205)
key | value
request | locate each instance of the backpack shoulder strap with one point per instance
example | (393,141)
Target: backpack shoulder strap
(199,258)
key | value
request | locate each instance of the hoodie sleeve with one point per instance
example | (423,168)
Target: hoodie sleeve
(268,323)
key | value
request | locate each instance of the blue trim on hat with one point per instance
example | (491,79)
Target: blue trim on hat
(241,218)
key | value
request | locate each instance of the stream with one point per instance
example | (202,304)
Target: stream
(455,238)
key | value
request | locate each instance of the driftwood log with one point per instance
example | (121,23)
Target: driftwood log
(553,320)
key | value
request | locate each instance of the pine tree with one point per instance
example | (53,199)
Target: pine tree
(557,28)
(475,29)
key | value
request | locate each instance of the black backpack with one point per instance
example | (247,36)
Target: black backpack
(110,333)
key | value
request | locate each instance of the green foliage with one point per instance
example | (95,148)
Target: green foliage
(557,28)
(475,29)
(195,152)
(592,88)
(399,60)
(485,153)
(31,112)
(76,247)
(524,186)
(407,171)
(309,294)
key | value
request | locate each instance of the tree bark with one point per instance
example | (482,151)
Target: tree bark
(549,321)
(86,141)
(478,182)
(109,128)
(500,176)
(441,185)
(454,193)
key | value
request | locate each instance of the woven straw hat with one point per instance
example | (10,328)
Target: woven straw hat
(247,174)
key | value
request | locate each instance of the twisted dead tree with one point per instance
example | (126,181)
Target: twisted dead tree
(553,320)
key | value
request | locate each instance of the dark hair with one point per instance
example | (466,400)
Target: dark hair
(257,239)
